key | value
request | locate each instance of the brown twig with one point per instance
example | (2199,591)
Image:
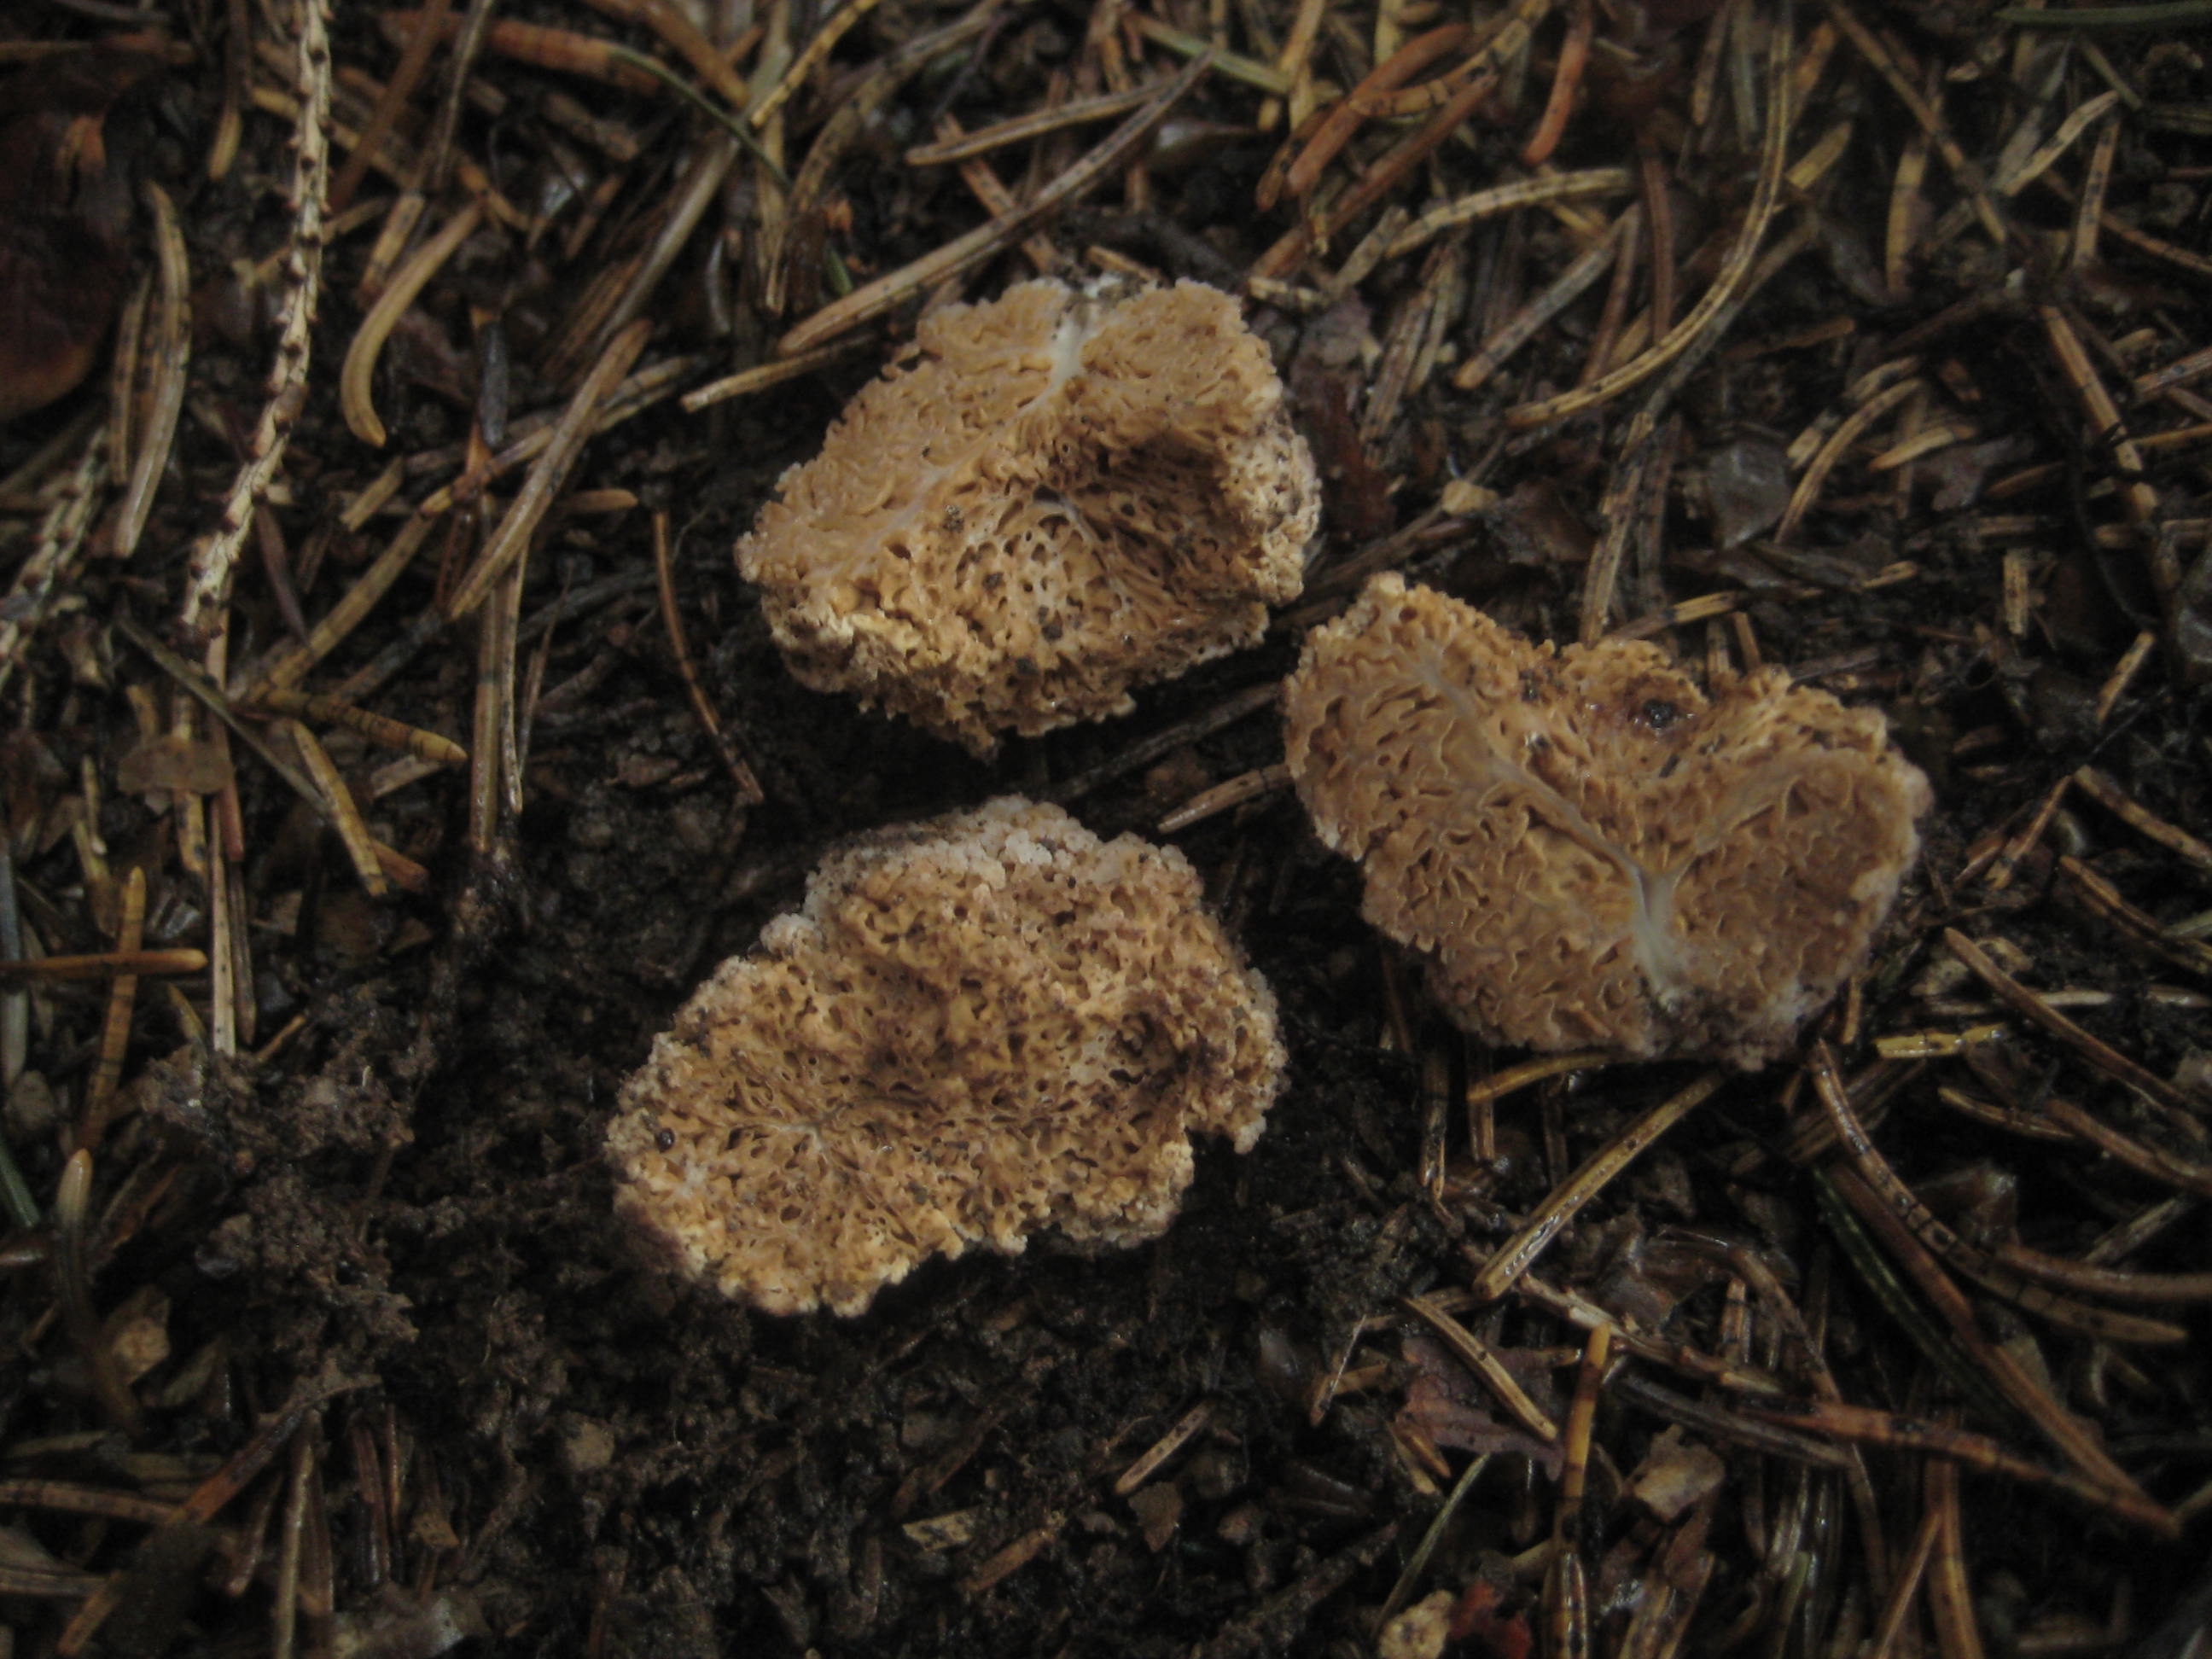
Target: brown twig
(872,299)
(671,615)
(1514,1256)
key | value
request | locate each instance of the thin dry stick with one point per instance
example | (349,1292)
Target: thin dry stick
(699,189)
(507,544)
(2008,859)
(1054,117)
(379,729)
(1515,1256)
(1566,83)
(503,619)
(2122,1499)
(1566,1604)
(2142,928)
(2090,211)
(208,1500)
(2105,425)
(2033,1008)
(747,381)
(2073,1439)
(872,299)
(1295,63)
(1753,1433)
(671,22)
(2124,673)
(355,399)
(223,977)
(1164,1447)
(2180,372)
(749,788)
(1905,204)
(1582,1418)
(237,71)
(636,394)
(855,116)
(1605,338)
(1144,750)
(1634,455)
(122,379)
(347,613)
(403,870)
(2110,224)
(1475,1354)
(1235,792)
(2160,1166)
(1963,171)
(61,539)
(360,846)
(983,184)
(1950,1598)
(103,964)
(1515,1079)
(1378,181)
(484,732)
(171,355)
(1734,270)
(1969,1259)
(1587,1315)
(1753,1271)
(542,46)
(284,1609)
(73,1289)
(1233,65)
(817,53)
(1899,1606)
(209,587)
(1300,165)
(2106,1281)
(1831,451)
(1417,322)
(2109,795)
(2069,130)
(1562,291)
(115,1036)
(1624,490)
(65,1498)
(414,58)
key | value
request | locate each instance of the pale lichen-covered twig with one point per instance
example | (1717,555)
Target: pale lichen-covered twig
(217,552)
(61,538)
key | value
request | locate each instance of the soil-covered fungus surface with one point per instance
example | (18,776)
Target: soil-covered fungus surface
(391,748)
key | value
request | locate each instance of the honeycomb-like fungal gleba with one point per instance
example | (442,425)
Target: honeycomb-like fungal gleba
(1046,500)
(1590,849)
(974,1029)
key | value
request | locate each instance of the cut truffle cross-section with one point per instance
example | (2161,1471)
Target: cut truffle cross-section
(975,1028)
(1048,500)
(1590,850)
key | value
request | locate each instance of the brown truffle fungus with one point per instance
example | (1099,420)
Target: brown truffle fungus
(1590,850)
(1046,500)
(974,1029)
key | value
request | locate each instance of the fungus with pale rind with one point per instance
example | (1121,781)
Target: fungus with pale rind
(1047,501)
(974,1029)
(1589,850)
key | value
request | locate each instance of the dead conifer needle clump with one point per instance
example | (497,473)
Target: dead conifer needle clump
(1046,501)
(1591,849)
(975,1028)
